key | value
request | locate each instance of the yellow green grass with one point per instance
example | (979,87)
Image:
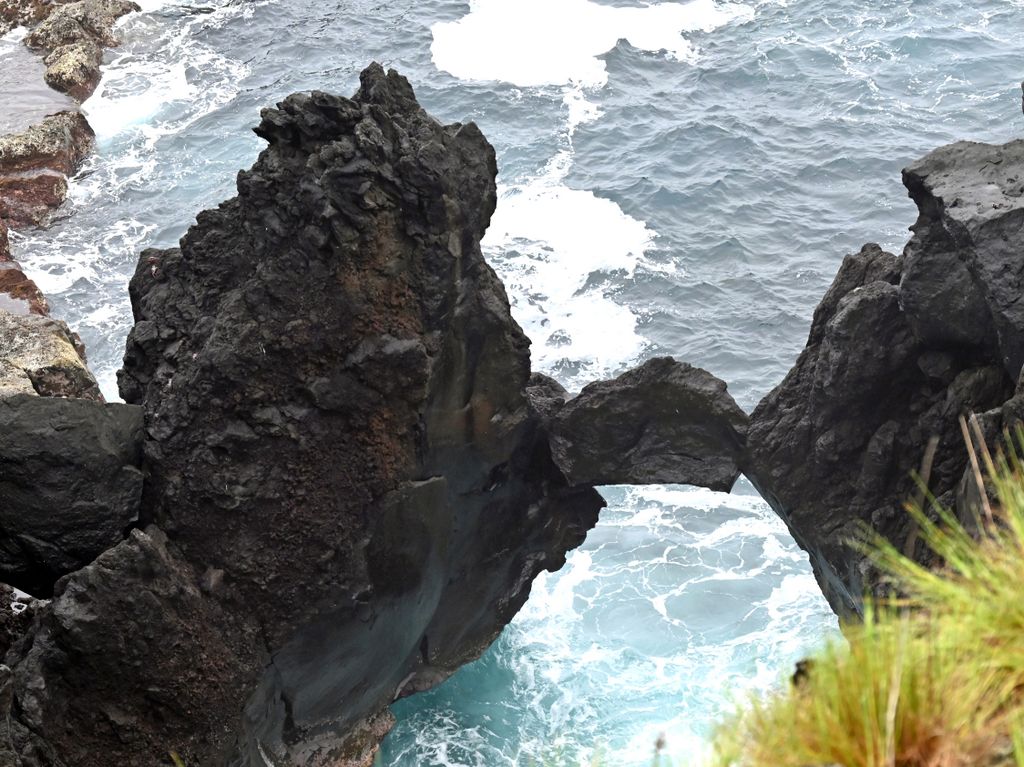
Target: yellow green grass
(932,679)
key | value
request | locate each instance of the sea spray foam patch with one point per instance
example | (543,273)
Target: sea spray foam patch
(556,42)
(160,89)
(556,247)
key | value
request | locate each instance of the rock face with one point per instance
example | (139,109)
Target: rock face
(663,422)
(18,294)
(355,487)
(70,485)
(898,350)
(73,37)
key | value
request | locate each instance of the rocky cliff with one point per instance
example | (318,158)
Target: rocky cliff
(349,490)
(899,349)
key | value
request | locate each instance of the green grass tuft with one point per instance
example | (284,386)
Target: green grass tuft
(932,679)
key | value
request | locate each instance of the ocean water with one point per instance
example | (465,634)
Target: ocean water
(676,178)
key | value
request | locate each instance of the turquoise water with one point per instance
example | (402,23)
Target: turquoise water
(675,179)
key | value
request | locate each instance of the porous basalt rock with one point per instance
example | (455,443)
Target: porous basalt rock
(663,422)
(899,350)
(340,447)
(971,202)
(129,651)
(73,37)
(70,485)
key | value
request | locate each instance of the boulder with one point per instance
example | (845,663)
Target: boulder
(340,448)
(35,165)
(59,144)
(663,422)
(42,356)
(130,650)
(16,612)
(70,485)
(73,22)
(74,68)
(17,13)
(73,37)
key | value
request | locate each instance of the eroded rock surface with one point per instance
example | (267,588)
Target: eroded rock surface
(356,489)
(70,485)
(16,613)
(663,422)
(899,349)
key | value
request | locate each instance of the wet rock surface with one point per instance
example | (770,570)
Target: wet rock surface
(16,613)
(70,485)
(663,422)
(352,477)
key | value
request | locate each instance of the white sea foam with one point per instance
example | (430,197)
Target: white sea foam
(557,42)
(140,84)
(16,35)
(554,245)
(548,241)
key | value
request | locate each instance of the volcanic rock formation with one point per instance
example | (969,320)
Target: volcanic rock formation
(899,349)
(349,491)
(663,422)
(69,485)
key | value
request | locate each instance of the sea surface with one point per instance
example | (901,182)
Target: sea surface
(676,178)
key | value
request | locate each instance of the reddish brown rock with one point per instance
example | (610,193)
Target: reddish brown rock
(35,164)
(60,143)
(16,13)
(29,199)
(18,294)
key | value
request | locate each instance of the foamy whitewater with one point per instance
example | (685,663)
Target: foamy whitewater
(675,178)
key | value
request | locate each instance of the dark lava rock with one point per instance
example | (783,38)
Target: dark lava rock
(70,485)
(834,446)
(663,422)
(129,652)
(16,613)
(356,489)
(971,201)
